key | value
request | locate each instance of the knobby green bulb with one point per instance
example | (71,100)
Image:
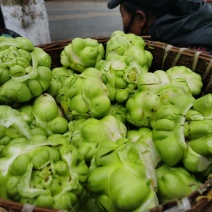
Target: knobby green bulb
(24,70)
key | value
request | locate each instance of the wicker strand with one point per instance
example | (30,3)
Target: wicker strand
(195,61)
(182,205)
(181,50)
(27,208)
(166,53)
(208,86)
(3,209)
(208,70)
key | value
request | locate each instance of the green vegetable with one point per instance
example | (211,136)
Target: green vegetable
(182,73)
(142,106)
(44,59)
(119,111)
(47,115)
(202,145)
(2,131)
(85,95)
(203,105)
(88,135)
(195,162)
(160,79)
(151,80)
(120,77)
(198,133)
(197,129)
(45,172)
(144,136)
(174,182)
(26,113)
(19,42)
(10,117)
(114,167)
(154,90)
(24,70)
(88,203)
(168,129)
(44,116)
(130,46)
(59,76)
(81,54)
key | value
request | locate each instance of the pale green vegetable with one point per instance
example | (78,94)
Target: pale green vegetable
(175,183)
(198,133)
(120,77)
(142,106)
(24,70)
(168,129)
(195,162)
(59,76)
(130,46)
(160,78)
(203,105)
(182,73)
(82,53)
(44,116)
(119,111)
(85,95)
(156,89)
(46,172)
(144,136)
(119,180)
(10,117)
(47,115)
(88,135)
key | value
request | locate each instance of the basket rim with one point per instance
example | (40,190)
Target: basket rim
(149,43)
(205,191)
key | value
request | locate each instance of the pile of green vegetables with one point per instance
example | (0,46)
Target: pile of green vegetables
(100,132)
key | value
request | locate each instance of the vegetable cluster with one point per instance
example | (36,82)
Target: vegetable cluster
(100,132)
(24,70)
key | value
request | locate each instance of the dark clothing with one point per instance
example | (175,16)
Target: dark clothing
(194,29)
(3,30)
(8,33)
(2,24)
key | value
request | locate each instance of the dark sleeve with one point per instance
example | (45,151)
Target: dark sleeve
(2,24)
(184,7)
(4,30)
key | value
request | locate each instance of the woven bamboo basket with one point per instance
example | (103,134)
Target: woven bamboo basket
(164,57)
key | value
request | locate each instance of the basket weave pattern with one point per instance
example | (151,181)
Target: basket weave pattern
(164,57)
